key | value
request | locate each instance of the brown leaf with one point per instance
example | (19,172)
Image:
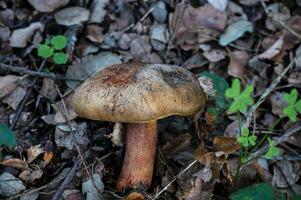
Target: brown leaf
(197,25)
(94,33)
(61,115)
(7,84)
(48,89)
(15,97)
(290,40)
(16,163)
(33,152)
(238,62)
(278,103)
(177,145)
(134,196)
(226,144)
(273,51)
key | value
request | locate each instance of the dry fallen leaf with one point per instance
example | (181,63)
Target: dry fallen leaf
(226,144)
(278,103)
(15,97)
(47,5)
(72,16)
(7,84)
(10,185)
(238,62)
(134,196)
(15,162)
(61,116)
(94,33)
(197,25)
(214,55)
(273,51)
(33,152)
(21,36)
(98,11)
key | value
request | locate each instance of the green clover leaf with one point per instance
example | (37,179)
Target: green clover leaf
(59,42)
(234,90)
(245,139)
(273,150)
(241,101)
(60,58)
(293,106)
(45,51)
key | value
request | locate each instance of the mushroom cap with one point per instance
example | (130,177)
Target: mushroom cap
(138,93)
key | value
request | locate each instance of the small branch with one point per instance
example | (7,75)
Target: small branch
(67,180)
(22,70)
(268,91)
(174,179)
(28,93)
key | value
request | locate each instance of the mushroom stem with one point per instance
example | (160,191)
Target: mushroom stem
(140,151)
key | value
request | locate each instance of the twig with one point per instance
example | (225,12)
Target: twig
(67,180)
(28,93)
(134,25)
(268,91)
(174,179)
(22,70)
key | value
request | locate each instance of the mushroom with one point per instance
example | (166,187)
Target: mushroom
(139,94)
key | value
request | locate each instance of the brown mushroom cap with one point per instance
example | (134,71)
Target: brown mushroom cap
(139,93)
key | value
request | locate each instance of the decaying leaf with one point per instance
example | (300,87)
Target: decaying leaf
(10,185)
(93,188)
(219,4)
(273,51)
(226,144)
(238,62)
(198,24)
(20,37)
(65,138)
(47,5)
(235,31)
(33,152)
(7,84)
(98,11)
(134,196)
(71,16)
(15,162)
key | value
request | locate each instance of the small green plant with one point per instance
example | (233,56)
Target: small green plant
(273,150)
(240,103)
(245,139)
(241,100)
(53,48)
(293,106)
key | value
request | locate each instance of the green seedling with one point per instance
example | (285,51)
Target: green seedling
(293,106)
(273,150)
(245,139)
(53,48)
(7,137)
(241,100)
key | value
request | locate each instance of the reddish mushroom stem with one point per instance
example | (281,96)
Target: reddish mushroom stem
(140,152)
